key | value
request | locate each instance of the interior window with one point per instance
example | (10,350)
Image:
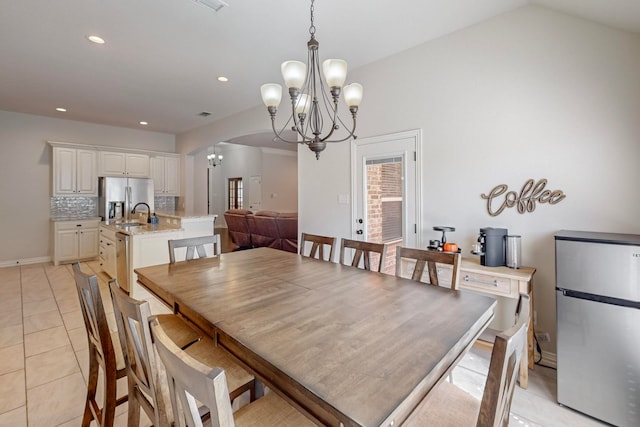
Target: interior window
(235,193)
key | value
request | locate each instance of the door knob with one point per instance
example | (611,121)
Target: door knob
(359,232)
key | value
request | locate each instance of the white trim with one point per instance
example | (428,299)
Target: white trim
(416,134)
(549,359)
(25,261)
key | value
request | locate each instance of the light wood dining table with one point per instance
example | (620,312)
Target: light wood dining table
(348,347)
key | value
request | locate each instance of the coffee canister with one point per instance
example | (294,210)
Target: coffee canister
(513,251)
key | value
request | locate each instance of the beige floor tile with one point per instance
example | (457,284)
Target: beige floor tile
(78,338)
(15,418)
(11,303)
(67,305)
(37,307)
(11,358)
(75,422)
(11,317)
(39,342)
(11,335)
(56,402)
(37,293)
(12,391)
(82,357)
(73,320)
(51,365)
(42,321)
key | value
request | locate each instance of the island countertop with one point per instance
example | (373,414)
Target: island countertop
(144,228)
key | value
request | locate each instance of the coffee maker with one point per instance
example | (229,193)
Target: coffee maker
(493,246)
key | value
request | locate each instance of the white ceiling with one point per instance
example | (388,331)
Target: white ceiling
(162,57)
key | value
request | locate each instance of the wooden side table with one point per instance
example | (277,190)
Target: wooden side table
(506,282)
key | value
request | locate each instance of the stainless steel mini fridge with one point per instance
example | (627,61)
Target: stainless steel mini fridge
(598,314)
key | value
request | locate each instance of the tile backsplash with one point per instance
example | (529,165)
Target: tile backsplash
(84,207)
(76,207)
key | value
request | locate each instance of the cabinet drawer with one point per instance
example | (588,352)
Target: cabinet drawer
(108,234)
(487,283)
(75,225)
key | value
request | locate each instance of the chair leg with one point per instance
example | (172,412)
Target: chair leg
(92,385)
(109,409)
(133,415)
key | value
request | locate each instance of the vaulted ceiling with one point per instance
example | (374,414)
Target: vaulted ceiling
(161,58)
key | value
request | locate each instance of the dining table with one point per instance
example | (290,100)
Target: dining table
(346,346)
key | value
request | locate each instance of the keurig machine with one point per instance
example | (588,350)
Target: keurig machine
(493,244)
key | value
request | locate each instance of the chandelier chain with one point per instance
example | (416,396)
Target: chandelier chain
(312,28)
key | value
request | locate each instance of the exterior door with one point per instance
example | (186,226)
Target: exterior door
(386,191)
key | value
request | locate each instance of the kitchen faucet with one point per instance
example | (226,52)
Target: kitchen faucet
(148,210)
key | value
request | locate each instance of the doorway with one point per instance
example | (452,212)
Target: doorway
(386,191)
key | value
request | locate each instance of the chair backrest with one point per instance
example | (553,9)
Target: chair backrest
(238,227)
(193,245)
(362,252)
(318,244)
(503,370)
(428,258)
(142,367)
(191,381)
(94,316)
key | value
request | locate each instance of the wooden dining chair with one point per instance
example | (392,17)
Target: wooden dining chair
(146,376)
(362,252)
(449,405)
(191,381)
(318,244)
(428,258)
(194,245)
(104,352)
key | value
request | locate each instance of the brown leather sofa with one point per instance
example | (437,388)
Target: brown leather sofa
(263,229)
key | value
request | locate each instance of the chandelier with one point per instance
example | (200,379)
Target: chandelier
(214,160)
(309,99)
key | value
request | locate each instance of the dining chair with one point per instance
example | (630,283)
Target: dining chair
(362,252)
(191,381)
(428,258)
(318,244)
(194,245)
(145,376)
(449,405)
(104,352)
(147,382)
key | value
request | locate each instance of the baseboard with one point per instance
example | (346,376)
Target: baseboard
(549,359)
(25,261)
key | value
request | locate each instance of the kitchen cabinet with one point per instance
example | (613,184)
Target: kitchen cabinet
(74,172)
(165,172)
(75,240)
(108,252)
(135,165)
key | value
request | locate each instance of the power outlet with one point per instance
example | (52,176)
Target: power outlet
(543,337)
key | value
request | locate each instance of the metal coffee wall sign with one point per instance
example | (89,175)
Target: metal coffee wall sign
(525,201)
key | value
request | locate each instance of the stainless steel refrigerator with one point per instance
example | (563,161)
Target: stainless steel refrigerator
(118,196)
(598,312)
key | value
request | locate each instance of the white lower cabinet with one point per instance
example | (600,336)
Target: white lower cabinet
(108,252)
(75,240)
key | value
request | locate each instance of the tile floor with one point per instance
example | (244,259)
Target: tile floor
(44,357)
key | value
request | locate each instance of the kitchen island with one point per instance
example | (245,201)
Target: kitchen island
(126,247)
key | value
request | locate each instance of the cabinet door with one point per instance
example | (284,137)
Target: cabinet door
(112,164)
(67,245)
(172,176)
(64,171)
(157,174)
(137,165)
(88,243)
(86,173)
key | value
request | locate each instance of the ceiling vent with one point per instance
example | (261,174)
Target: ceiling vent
(213,4)
(204,114)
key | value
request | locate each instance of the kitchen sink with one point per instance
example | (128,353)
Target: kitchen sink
(129,224)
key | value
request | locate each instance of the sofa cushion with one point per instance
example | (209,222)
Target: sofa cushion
(264,230)
(238,226)
(288,230)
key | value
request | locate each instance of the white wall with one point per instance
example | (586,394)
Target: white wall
(530,94)
(25,174)
(279,180)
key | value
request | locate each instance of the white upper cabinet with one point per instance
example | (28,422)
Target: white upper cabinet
(74,172)
(165,172)
(124,164)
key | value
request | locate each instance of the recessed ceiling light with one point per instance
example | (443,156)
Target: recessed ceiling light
(96,39)
(144,123)
(62,110)
(223,79)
